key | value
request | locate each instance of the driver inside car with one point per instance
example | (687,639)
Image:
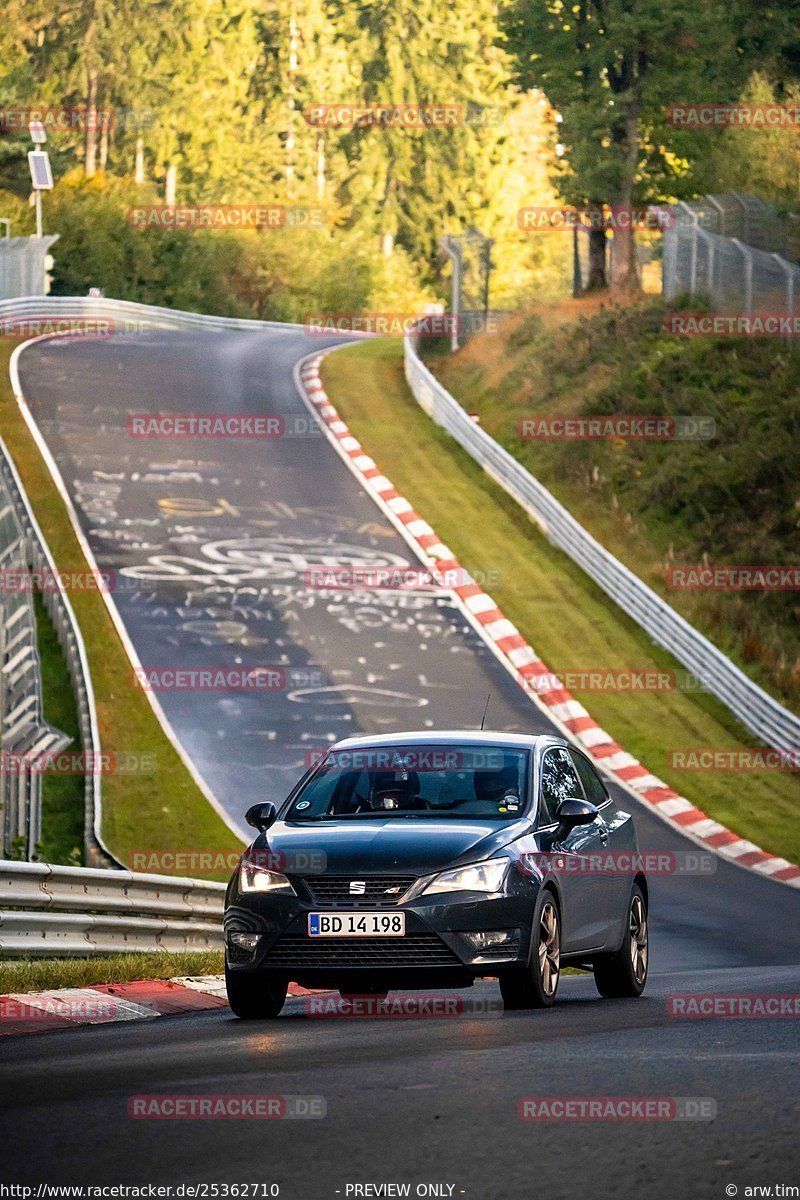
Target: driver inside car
(500,787)
(394,790)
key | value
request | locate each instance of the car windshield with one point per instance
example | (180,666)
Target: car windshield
(454,780)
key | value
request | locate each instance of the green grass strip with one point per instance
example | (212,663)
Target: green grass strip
(39,975)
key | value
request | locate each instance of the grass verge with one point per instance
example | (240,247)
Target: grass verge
(38,975)
(164,811)
(62,795)
(571,623)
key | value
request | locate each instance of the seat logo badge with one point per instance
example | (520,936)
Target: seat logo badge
(357,887)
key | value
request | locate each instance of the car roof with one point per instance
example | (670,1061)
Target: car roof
(439,737)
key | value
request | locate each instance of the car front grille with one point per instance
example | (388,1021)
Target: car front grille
(380,891)
(413,950)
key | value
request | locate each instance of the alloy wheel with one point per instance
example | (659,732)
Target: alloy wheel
(637,926)
(549,949)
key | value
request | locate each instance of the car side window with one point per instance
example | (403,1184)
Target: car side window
(592,783)
(559,781)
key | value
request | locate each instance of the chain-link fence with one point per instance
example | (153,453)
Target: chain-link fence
(470,256)
(750,219)
(736,251)
(23,266)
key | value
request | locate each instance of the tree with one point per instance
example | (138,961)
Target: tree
(612,68)
(763,161)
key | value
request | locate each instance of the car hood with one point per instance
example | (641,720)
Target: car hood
(374,845)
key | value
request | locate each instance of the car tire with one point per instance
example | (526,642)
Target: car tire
(253,996)
(535,986)
(625,973)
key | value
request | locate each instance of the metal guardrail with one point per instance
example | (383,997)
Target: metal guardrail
(24,733)
(125,316)
(36,553)
(50,910)
(760,714)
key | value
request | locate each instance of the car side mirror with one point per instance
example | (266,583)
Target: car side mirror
(571,813)
(261,816)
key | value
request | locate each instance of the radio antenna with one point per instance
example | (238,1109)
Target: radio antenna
(483,718)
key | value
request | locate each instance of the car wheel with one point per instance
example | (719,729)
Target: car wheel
(253,996)
(535,986)
(625,973)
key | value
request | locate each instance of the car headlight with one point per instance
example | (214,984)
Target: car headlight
(478,877)
(253,878)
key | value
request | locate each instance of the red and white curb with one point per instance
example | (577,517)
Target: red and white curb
(540,684)
(103,1004)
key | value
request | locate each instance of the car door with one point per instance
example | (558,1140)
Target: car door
(585,898)
(613,873)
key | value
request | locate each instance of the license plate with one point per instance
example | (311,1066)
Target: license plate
(356,924)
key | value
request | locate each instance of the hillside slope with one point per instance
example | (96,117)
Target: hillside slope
(733,499)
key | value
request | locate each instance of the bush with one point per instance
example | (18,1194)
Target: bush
(281,274)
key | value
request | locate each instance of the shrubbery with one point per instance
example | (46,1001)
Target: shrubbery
(277,274)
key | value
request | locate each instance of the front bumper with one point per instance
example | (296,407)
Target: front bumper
(435,948)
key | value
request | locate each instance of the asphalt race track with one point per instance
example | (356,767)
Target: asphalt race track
(213,540)
(210,541)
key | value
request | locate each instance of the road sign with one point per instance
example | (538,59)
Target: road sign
(37,132)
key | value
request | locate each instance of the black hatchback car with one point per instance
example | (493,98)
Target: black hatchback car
(431,859)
